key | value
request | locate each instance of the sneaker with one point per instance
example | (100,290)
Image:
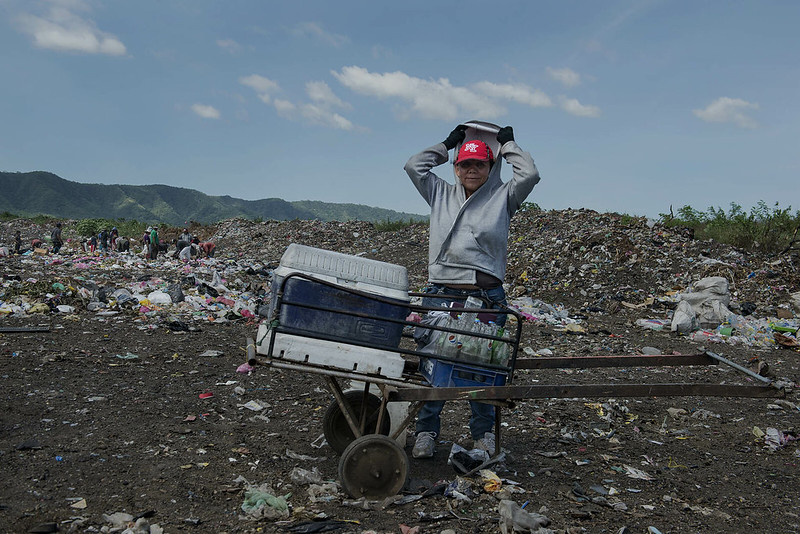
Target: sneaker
(486,443)
(425,445)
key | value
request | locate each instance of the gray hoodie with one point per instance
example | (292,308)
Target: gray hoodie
(469,234)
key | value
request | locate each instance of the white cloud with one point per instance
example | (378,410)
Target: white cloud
(437,99)
(519,93)
(726,109)
(321,93)
(574,107)
(320,115)
(63,30)
(285,108)
(229,45)
(315,30)
(567,77)
(207,112)
(264,87)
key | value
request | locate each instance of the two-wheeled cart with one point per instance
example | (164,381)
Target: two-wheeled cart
(346,334)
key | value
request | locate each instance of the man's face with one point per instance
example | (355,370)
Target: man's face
(473,174)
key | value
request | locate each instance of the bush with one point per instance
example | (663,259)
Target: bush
(126,228)
(763,229)
(529,206)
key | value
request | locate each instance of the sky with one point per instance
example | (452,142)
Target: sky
(626,106)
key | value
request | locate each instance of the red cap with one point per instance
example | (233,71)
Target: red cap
(475,150)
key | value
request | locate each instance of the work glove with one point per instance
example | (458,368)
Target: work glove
(504,135)
(455,137)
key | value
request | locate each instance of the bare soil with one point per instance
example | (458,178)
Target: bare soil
(110,413)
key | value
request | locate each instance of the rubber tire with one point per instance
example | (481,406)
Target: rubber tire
(373,466)
(334,424)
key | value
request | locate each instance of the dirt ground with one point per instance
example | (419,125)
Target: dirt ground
(109,413)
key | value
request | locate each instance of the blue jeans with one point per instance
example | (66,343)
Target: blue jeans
(482,420)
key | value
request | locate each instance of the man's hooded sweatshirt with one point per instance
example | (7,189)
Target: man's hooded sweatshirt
(471,234)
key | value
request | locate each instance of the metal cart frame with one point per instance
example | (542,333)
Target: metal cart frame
(373,465)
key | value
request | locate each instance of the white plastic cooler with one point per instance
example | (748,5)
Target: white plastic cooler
(344,272)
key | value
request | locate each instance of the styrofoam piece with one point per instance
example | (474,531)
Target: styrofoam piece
(342,356)
(364,274)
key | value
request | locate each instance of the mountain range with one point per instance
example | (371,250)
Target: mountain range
(44,193)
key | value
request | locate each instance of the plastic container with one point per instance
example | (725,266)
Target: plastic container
(441,373)
(351,358)
(378,278)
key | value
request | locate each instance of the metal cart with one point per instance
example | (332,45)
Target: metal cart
(357,424)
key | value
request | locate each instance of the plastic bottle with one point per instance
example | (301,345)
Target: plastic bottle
(475,348)
(470,317)
(500,350)
(485,345)
(467,347)
(449,344)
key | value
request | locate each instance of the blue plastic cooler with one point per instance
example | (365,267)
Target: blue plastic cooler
(341,272)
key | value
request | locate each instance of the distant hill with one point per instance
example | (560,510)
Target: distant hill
(44,193)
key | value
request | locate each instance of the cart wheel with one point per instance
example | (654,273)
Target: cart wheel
(334,424)
(373,466)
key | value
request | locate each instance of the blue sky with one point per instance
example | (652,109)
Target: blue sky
(626,106)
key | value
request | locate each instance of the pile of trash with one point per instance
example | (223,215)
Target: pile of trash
(609,263)
(562,265)
(202,290)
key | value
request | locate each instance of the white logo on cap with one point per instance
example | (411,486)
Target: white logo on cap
(471,147)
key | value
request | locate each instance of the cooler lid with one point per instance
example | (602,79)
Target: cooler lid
(328,263)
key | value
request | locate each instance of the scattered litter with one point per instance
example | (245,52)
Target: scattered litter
(295,456)
(254,405)
(463,460)
(324,492)
(304,476)
(774,439)
(261,503)
(491,482)
(632,472)
(551,454)
(514,519)
(653,324)
(244,368)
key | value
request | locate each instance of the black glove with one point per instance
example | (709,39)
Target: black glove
(455,137)
(504,135)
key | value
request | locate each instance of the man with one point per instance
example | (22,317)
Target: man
(103,239)
(468,243)
(154,243)
(184,240)
(55,237)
